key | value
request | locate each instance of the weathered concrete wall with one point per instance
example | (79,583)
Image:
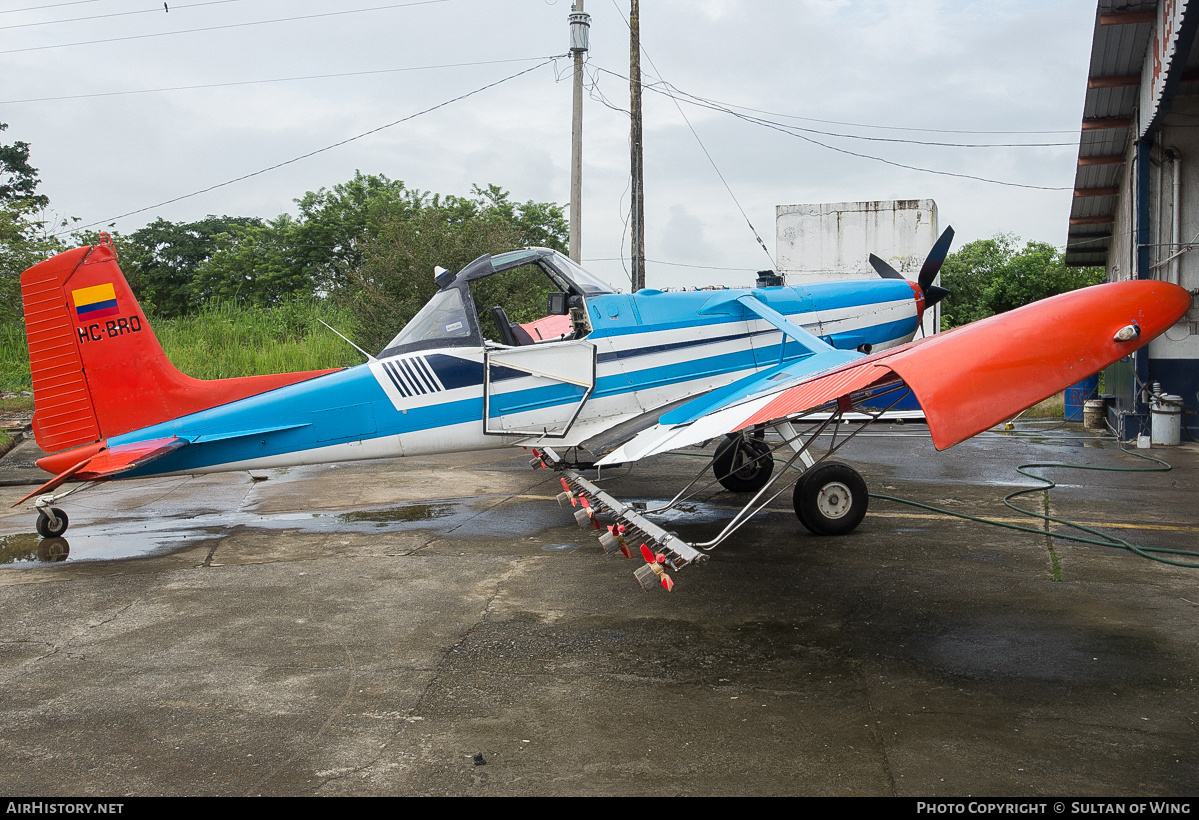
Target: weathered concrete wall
(834,240)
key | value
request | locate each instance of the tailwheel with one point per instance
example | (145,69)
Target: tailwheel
(51,522)
(742,464)
(831,499)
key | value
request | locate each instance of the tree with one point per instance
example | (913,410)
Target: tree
(161,261)
(17,177)
(990,276)
(335,224)
(396,277)
(259,264)
(25,238)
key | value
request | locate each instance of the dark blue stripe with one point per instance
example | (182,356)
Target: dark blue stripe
(426,374)
(414,366)
(663,348)
(83,310)
(396,380)
(406,368)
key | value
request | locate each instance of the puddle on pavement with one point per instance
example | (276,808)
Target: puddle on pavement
(130,535)
(408,514)
(24,548)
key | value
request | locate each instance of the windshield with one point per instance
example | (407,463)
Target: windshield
(586,282)
(443,318)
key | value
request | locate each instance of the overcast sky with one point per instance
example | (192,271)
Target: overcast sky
(938,65)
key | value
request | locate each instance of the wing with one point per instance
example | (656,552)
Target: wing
(967,380)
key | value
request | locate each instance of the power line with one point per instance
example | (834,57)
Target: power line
(272,80)
(118,14)
(892,127)
(790,131)
(318,150)
(228,26)
(666,89)
(48,6)
(722,107)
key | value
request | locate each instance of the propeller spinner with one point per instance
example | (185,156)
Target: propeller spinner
(928,271)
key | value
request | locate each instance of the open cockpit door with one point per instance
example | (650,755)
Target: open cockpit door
(536,390)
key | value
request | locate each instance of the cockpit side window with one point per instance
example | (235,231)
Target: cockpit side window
(511,304)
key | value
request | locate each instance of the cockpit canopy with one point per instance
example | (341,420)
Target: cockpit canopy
(451,318)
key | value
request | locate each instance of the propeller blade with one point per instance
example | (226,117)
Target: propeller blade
(883,269)
(936,257)
(934,294)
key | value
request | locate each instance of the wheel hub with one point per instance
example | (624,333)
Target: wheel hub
(834,500)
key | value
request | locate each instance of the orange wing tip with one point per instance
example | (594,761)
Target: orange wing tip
(978,375)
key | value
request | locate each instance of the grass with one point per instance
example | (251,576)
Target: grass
(16,404)
(1053,407)
(14,359)
(226,341)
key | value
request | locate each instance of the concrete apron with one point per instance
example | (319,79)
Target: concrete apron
(368,628)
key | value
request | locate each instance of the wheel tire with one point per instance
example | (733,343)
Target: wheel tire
(45,529)
(742,465)
(831,499)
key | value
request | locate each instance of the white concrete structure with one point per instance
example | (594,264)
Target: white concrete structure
(834,241)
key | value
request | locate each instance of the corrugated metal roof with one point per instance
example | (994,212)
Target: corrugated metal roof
(1116,51)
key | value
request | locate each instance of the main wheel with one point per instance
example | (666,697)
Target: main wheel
(742,465)
(831,499)
(48,530)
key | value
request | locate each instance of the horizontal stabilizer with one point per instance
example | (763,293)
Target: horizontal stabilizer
(125,457)
(105,463)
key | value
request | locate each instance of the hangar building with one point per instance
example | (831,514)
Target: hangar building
(1136,190)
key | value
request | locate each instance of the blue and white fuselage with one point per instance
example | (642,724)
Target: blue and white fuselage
(441,387)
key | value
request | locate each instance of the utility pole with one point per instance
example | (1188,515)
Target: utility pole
(638,199)
(580,27)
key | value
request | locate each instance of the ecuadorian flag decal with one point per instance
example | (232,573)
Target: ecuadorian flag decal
(95,302)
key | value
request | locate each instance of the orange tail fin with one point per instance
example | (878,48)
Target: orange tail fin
(98,369)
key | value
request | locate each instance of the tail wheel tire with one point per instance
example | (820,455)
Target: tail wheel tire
(831,499)
(46,528)
(742,465)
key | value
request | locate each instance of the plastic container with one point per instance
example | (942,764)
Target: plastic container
(1165,414)
(1094,414)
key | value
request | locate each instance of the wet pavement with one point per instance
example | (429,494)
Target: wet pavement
(367,628)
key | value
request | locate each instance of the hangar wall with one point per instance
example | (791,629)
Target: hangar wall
(834,240)
(1136,195)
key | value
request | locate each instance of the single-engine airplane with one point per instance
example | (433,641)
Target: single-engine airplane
(604,378)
